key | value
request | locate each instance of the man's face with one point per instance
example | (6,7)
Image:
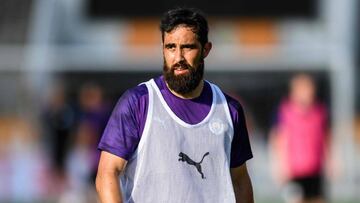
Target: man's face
(183,59)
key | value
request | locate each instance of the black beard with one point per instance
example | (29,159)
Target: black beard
(185,83)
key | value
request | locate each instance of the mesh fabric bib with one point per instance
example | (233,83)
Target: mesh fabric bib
(180,162)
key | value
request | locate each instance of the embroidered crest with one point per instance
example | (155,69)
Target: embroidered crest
(217,126)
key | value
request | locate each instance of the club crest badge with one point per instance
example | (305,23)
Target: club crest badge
(217,126)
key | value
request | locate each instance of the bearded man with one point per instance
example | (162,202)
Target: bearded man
(176,137)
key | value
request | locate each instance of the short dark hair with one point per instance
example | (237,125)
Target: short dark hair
(190,17)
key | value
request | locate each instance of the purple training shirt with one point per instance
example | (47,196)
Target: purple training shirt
(125,126)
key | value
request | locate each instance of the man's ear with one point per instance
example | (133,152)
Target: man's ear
(206,49)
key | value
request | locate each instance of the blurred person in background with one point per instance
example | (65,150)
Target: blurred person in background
(93,114)
(58,121)
(176,138)
(24,166)
(79,165)
(299,142)
(82,158)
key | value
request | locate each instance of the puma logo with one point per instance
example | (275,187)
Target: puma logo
(184,157)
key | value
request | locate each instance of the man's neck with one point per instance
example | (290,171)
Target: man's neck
(191,95)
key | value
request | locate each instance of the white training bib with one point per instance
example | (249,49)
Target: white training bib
(177,162)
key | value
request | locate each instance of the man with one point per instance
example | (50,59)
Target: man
(299,142)
(176,138)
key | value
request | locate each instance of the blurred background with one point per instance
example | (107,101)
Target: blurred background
(64,64)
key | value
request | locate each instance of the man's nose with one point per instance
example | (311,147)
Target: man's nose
(179,56)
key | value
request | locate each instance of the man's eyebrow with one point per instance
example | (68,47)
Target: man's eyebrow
(169,45)
(192,46)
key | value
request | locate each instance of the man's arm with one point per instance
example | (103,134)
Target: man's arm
(107,179)
(242,184)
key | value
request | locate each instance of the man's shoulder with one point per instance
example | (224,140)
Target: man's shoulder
(234,104)
(233,100)
(134,95)
(141,90)
(137,95)
(137,92)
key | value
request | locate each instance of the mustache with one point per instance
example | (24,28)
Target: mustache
(181,64)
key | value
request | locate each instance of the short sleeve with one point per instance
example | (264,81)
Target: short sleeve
(240,147)
(124,128)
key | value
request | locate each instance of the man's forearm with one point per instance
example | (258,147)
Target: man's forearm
(243,191)
(108,188)
(242,184)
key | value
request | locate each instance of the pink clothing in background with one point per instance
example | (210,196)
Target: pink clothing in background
(303,134)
